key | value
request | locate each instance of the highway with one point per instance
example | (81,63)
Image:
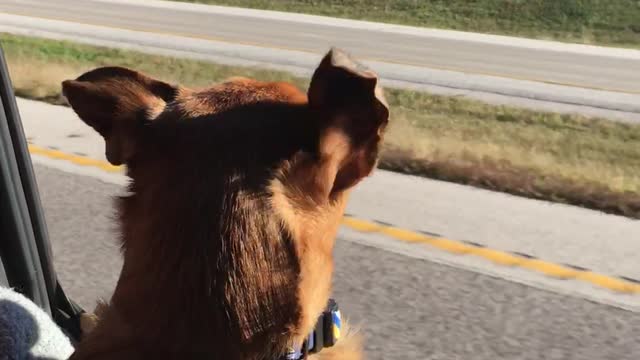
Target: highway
(493,68)
(412,301)
(408,308)
(424,51)
(554,232)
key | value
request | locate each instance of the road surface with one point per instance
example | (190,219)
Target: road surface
(411,301)
(546,230)
(562,77)
(604,72)
(408,307)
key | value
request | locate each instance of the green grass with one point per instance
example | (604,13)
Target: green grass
(605,22)
(566,158)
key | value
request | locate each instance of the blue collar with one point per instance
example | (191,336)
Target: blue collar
(325,334)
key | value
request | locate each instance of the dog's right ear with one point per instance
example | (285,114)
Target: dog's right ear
(117,102)
(353,115)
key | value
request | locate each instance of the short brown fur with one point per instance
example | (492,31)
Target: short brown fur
(237,193)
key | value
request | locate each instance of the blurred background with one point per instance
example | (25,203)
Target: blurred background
(503,221)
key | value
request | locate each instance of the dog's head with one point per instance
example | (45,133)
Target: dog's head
(237,193)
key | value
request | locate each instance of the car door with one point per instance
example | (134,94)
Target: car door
(25,252)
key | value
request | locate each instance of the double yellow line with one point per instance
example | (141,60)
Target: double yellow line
(501,258)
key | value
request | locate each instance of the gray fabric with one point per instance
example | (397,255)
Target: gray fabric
(3,275)
(27,332)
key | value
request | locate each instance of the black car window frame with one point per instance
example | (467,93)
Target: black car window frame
(25,250)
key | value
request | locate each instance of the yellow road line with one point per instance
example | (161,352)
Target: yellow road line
(76,159)
(498,257)
(451,246)
(285,48)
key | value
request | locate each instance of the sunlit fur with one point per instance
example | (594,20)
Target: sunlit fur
(237,193)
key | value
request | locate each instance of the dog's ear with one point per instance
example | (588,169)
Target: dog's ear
(117,102)
(353,115)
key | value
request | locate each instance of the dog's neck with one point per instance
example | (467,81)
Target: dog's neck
(189,289)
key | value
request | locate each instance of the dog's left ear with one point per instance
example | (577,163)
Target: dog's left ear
(117,102)
(352,115)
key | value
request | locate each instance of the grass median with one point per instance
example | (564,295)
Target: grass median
(613,22)
(593,163)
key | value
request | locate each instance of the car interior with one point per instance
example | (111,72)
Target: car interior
(25,252)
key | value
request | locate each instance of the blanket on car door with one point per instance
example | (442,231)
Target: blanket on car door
(27,332)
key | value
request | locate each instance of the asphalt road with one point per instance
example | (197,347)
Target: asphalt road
(424,51)
(542,75)
(411,301)
(550,231)
(408,308)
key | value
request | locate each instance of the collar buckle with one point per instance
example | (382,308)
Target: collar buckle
(325,334)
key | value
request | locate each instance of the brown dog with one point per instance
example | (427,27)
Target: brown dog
(237,193)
